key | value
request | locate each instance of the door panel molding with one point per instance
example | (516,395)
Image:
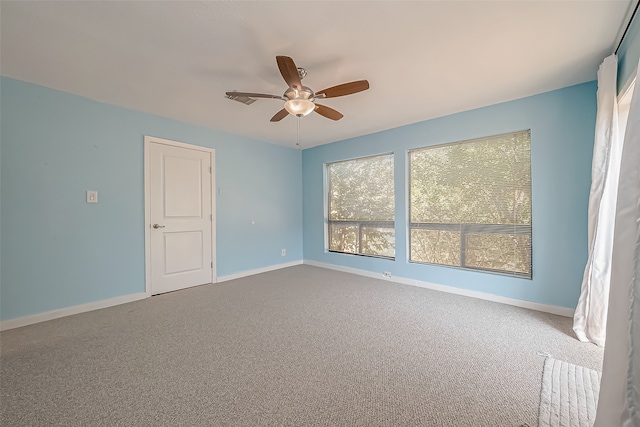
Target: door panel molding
(148,141)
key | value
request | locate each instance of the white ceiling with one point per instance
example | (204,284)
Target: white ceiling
(423,59)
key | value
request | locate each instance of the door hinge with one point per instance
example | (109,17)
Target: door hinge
(210,169)
(211,264)
(211,217)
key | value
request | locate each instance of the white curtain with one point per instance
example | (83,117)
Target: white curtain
(620,386)
(590,318)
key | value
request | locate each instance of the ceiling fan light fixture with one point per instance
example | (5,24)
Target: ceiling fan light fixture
(299,99)
(299,107)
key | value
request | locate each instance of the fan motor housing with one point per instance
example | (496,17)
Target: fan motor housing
(304,93)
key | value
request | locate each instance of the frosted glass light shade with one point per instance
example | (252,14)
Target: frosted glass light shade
(299,107)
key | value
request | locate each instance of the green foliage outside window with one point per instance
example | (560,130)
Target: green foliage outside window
(471,204)
(361,206)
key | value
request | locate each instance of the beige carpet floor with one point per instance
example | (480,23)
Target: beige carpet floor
(301,346)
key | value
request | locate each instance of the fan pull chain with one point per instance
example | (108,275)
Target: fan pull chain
(298,140)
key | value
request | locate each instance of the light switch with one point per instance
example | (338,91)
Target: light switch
(92,197)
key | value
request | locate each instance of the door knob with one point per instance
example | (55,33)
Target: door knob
(158,226)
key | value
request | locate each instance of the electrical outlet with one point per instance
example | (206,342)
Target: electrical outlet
(387,274)
(284,252)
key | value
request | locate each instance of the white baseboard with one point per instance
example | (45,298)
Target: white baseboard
(55,314)
(77,309)
(553,309)
(258,271)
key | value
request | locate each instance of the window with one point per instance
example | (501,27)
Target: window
(470,204)
(361,206)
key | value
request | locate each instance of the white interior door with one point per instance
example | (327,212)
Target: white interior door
(179,215)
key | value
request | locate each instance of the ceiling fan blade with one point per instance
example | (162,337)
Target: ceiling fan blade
(253,95)
(279,115)
(327,112)
(289,72)
(344,89)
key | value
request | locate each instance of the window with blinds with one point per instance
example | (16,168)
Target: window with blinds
(361,206)
(470,204)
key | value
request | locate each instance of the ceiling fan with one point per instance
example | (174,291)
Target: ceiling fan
(299,99)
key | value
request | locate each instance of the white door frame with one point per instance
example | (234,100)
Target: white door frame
(148,140)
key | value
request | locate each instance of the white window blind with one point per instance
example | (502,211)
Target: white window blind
(470,204)
(361,206)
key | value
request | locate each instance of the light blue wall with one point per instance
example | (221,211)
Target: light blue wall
(629,53)
(58,251)
(562,126)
